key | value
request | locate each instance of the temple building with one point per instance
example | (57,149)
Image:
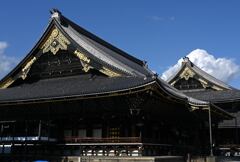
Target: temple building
(196,83)
(74,94)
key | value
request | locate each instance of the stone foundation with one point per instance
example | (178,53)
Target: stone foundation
(124,159)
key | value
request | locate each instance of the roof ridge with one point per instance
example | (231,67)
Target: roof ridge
(206,73)
(101,41)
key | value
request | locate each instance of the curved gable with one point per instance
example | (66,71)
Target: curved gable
(63,51)
(189,76)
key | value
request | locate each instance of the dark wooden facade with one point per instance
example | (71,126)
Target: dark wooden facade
(95,125)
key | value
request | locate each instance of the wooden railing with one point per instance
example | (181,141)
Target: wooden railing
(102,140)
(27,138)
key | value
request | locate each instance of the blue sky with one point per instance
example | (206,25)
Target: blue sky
(158,31)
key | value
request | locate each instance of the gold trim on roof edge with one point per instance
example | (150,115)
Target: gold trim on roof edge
(109,72)
(86,67)
(23,74)
(27,68)
(7,83)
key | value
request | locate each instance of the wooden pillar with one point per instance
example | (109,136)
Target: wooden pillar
(48,121)
(80,151)
(39,129)
(115,150)
(236,131)
(210,130)
(92,151)
(13,135)
(126,148)
(107,151)
(26,135)
(1,134)
(133,129)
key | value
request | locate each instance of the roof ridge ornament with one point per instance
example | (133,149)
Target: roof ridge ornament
(55,13)
(186,59)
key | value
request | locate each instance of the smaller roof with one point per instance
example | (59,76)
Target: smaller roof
(195,102)
(216,96)
(231,123)
(180,94)
(186,63)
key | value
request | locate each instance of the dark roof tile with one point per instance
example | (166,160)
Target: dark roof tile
(74,86)
(216,96)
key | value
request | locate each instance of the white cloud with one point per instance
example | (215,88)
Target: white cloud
(3,45)
(222,68)
(160,18)
(156,18)
(6,62)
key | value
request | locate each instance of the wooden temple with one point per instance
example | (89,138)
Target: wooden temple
(74,94)
(196,83)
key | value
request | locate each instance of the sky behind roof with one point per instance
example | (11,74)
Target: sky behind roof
(158,31)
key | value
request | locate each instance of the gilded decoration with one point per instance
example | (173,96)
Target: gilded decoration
(7,83)
(27,67)
(217,88)
(187,73)
(55,42)
(86,67)
(81,56)
(198,107)
(207,85)
(84,60)
(193,108)
(204,83)
(109,72)
(173,82)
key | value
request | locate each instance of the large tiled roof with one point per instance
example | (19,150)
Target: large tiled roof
(69,87)
(102,50)
(95,48)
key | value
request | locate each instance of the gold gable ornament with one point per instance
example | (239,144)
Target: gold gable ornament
(187,73)
(7,83)
(55,42)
